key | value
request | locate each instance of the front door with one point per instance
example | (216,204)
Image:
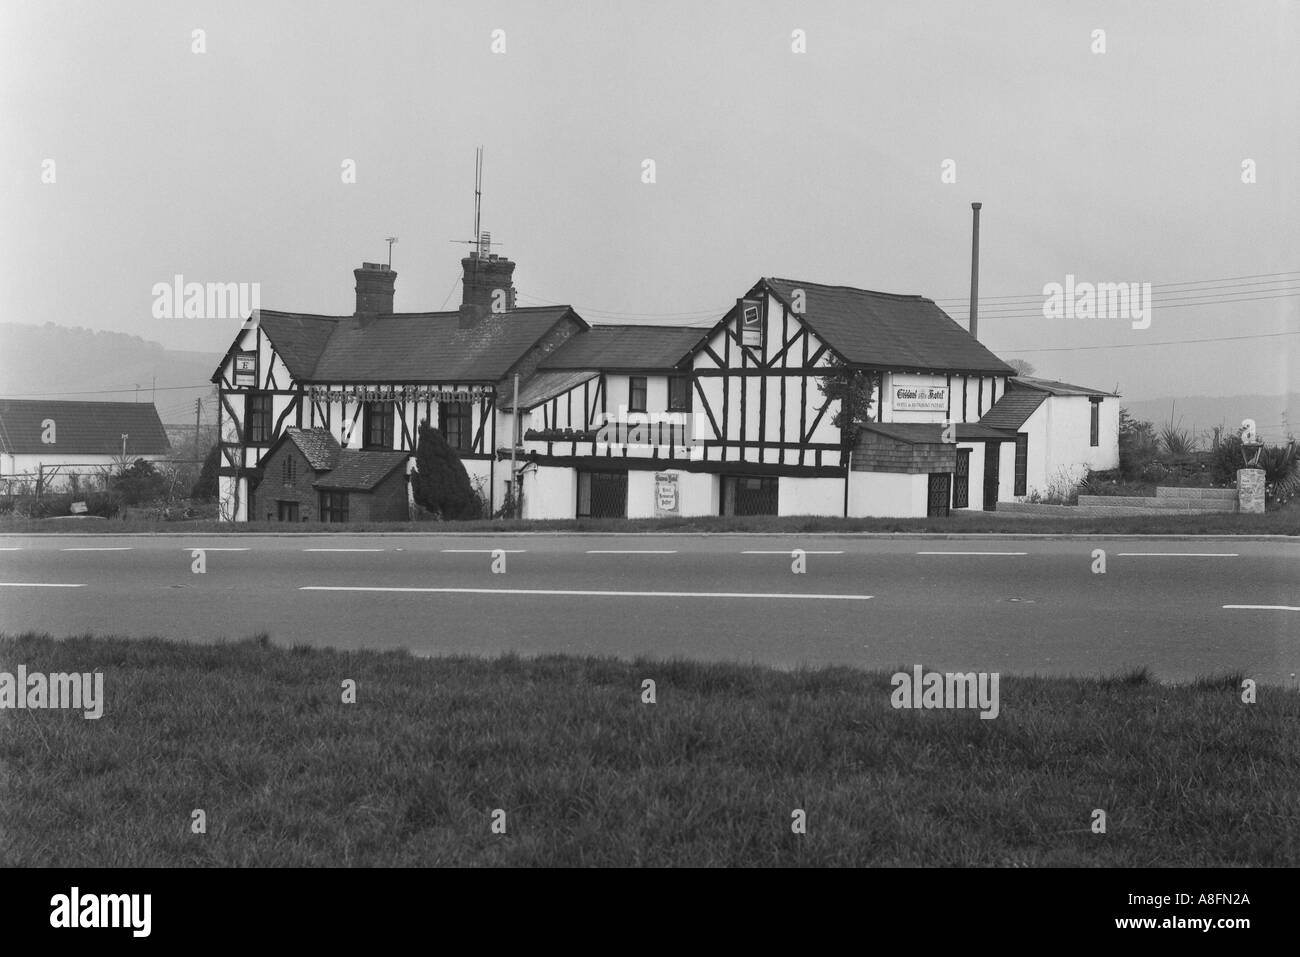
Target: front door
(992,455)
(940,490)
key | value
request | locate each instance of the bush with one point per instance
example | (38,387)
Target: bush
(440,483)
(205,488)
(97,503)
(1137,446)
(139,482)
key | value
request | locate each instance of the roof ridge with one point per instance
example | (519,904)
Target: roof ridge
(873,292)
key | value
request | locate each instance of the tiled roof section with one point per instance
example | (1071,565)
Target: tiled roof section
(913,433)
(887,331)
(904,448)
(318,446)
(299,339)
(359,470)
(544,386)
(81,428)
(625,347)
(1052,387)
(431,347)
(974,431)
(1013,409)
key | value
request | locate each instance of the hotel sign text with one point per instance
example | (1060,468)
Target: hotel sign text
(397,393)
(910,398)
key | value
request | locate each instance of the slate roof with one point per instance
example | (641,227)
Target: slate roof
(626,348)
(360,470)
(544,386)
(318,446)
(1052,387)
(410,347)
(81,428)
(1013,409)
(887,331)
(913,433)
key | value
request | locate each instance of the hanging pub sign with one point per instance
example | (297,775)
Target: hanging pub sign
(920,398)
(397,393)
(751,322)
(246,368)
(667,500)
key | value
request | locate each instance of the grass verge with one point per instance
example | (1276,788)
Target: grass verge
(1281,522)
(257,736)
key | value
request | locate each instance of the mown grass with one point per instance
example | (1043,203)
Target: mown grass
(1280,522)
(256,735)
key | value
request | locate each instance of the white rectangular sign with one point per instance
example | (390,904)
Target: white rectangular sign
(920,398)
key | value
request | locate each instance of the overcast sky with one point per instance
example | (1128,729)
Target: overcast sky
(824,166)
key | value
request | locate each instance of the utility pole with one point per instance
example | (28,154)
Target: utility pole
(973,323)
(198,408)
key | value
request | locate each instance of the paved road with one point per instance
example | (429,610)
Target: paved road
(1009,605)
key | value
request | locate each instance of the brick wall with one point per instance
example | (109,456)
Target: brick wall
(272,488)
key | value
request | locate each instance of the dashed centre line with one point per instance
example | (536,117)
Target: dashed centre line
(631,551)
(111,548)
(787,552)
(585,593)
(1179,555)
(342,549)
(484,551)
(38,585)
(1266,607)
(208,548)
(972,553)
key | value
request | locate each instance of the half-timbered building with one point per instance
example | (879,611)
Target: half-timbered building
(642,420)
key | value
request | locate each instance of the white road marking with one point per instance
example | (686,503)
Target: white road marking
(581,593)
(14,548)
(485,551)
(631,551)
(787,552)
(1179,555)
(342,549)
(37,585)
(1267,607)
(114,548)
(972,553)
(207,548)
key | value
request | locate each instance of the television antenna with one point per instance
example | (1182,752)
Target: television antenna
(390,240)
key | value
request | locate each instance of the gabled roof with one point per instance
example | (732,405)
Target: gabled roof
(1013,409)
(81,428)
(887,331)
(625,348)
(408,347)
(318,446)
(544,386)
(360,470)
(1052,387)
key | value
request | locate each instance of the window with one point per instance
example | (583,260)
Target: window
(454,422)
(333,506)
(289,472)
(286,511)
(961,480)
(749,495)
(1095,434)
(602,494)
(636,393)
(679,393)
(379,425)
(1022,462)
(257,416)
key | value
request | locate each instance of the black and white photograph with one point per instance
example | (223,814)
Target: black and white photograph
(613,435)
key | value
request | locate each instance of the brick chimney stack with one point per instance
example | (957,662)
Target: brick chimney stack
(485,274)
(375,282)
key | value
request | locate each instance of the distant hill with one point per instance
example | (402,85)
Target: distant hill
(69,361)
(1273,414)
